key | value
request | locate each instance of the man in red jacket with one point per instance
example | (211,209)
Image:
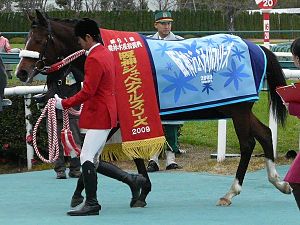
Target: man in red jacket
(99,112)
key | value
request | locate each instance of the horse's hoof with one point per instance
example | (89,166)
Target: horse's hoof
(224,202)
(286,188)
(139,204)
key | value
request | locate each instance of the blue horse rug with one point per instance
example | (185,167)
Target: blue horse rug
(206,72)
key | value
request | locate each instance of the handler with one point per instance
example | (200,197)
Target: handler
(99,112)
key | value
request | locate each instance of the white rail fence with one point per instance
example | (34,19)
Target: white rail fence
(27,92)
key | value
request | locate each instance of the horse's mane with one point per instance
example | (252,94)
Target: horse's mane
(66,21)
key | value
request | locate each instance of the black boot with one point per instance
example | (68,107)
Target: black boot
(296,193)
(77,197)
(91,206)
(134,181)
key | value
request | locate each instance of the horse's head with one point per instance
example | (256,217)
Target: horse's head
(48,41)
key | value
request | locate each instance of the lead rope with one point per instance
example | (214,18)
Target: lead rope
(65,61)
(53,145)
(67,140)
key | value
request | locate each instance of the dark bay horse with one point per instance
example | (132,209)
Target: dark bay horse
(53,39)
(3,81)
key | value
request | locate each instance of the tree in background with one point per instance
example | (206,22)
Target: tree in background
(75,5)
(105,5)
(229,8)
(164,4)
(288,4)
(142,4)
(5,5)
(30,5)
(108,5)
(92,5)
(122,5)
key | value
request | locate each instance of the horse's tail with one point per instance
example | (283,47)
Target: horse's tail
(275,78)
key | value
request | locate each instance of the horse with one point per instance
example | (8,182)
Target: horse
(54,39)
(3,82)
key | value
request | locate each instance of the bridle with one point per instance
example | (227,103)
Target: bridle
(40,65)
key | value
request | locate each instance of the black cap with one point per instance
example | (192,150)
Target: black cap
(86,26)
(291,154)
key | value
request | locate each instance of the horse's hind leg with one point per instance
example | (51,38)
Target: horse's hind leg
(263,135)
(247,144)
(141,202)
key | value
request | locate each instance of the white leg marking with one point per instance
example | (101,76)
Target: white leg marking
(235,189)
(274,178)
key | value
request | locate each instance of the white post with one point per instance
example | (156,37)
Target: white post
(221,140)
(26,91)
(27,101)
(266,27)
(273,127)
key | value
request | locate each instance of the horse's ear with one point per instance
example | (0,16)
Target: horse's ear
(29,16)
(42,20)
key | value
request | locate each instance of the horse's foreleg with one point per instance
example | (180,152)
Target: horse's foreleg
(141,202)
(236,187)
(264,135)
(247,143)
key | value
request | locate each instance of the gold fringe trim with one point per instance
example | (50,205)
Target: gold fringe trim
(113,152)
(144,149)
(130,150)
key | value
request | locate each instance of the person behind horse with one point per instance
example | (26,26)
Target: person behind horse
(293,175)
(65,87)
(163,24)
(99,112)
(3,82)
(5,47)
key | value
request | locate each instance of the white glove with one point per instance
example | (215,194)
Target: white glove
(58,104)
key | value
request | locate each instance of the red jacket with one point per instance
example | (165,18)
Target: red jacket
(294,109)
(98,93)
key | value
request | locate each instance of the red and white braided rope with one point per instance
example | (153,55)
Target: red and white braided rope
(53,145)
(65,61)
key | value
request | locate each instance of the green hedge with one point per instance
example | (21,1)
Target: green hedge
(184,21)
(13,132)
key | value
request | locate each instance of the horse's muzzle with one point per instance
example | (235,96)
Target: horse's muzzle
(22,75)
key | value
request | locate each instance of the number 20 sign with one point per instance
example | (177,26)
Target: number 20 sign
(266,4)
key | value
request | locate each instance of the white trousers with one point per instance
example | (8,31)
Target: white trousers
(170,158)
(93,145)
